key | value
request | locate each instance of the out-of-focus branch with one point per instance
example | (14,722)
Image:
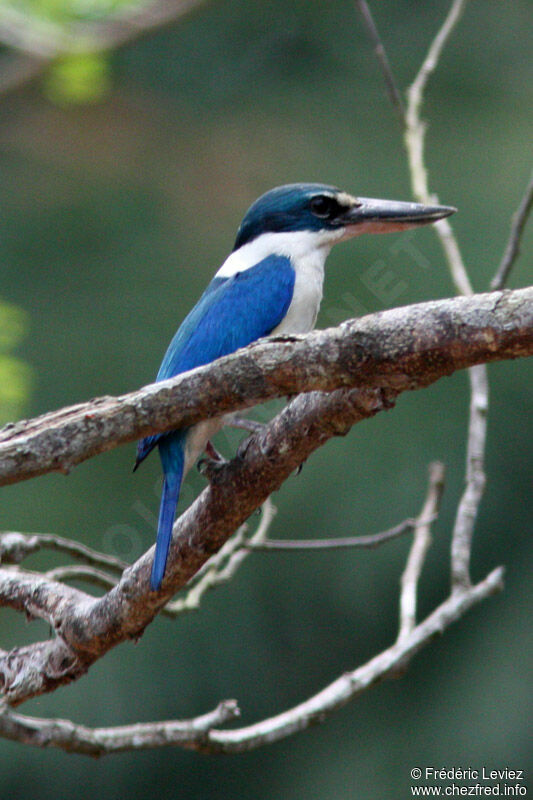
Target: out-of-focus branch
(369,542)
(19,70)
(415,131)
(44,39)
(381,55)
(419,548)
(222,567)
(512,249)
(40,41)
(15,547)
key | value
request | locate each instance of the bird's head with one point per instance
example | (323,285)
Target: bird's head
(329,213)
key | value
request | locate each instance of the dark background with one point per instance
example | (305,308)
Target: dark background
(114,214)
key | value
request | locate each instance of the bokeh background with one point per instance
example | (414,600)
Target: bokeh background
(123,180)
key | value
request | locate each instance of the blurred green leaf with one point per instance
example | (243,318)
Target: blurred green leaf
(78,78)
(15,375)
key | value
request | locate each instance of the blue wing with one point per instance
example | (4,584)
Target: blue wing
(232,313)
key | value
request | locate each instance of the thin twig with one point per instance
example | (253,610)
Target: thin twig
(351,684)
(82,573)
(415,131)
(370,541)
(512,249)
(72,738)
(199,734)
(223,565)
(478,378)
(381,54)
(15,546)
(419,548)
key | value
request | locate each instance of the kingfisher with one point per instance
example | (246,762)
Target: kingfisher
(271,283)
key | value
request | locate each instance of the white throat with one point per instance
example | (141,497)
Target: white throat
(297,245)
(307,251)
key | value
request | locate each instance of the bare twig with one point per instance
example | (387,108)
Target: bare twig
(82,573)
(479,388)
(370,541)
(381,54)
(66,735)
(223,565)
(351,684)
(199,734)
(419,548)
(415,132)
(14,547)
(512,249)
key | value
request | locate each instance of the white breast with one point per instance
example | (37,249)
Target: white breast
(307,251)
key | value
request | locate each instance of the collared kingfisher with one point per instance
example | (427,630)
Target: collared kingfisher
(271,283)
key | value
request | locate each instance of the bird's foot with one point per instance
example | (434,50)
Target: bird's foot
(212,453)
(213,463)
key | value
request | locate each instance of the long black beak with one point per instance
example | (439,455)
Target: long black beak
(385,216)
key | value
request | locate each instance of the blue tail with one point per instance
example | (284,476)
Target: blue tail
(171,449)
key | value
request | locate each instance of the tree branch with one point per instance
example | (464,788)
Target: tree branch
(400,348)
(405,348)
(351,684)
(45,40)
(66,735)
(40,41)
(15,547)
(381,55)
(419,548)
(370,541)
(479,387)
(200,734)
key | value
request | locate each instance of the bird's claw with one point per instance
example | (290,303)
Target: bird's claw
(212,464)
(210,467)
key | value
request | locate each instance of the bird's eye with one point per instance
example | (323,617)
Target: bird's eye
(323,206)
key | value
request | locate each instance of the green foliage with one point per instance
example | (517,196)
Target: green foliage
(15,375)
(78,78)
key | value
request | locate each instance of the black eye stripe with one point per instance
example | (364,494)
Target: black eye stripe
(324,206)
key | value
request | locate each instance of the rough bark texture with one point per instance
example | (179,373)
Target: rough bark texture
(402,349)
(399,349)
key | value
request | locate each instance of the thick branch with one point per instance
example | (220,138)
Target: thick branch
(406,348)
(401,348)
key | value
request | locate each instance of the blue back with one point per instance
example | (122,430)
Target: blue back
(231,313)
